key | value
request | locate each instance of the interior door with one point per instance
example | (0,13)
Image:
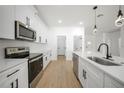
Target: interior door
(61,42)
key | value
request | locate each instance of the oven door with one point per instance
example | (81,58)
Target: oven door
(35,66)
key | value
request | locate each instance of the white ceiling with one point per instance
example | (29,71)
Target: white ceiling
(71,15)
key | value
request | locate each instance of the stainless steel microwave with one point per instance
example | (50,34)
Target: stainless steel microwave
(24,33)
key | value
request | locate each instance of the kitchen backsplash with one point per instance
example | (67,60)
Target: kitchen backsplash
(34,47)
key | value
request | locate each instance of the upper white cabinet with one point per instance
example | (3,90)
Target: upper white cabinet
(7,14)
(22,12)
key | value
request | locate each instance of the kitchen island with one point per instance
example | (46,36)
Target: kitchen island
(92,74)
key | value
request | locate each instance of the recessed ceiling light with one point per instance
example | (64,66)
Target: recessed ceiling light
(59,21)
(81,23)
(89,43)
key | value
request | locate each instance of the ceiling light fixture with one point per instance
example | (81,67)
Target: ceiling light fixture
(59,21)
(95,27)
(81,23)
(119,22)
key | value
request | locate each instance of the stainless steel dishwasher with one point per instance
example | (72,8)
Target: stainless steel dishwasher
(75,64)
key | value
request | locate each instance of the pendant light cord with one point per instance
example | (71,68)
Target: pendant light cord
(119,7)
(95,17)
(120,12)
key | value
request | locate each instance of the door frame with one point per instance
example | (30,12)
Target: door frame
(65,43)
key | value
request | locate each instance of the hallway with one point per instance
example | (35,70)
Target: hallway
(59,74)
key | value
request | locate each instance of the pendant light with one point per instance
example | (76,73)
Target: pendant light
(120,20)
(95,27)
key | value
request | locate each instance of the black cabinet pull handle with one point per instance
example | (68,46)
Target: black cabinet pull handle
(16,83)
(12,85)
(85,75)
(12,73)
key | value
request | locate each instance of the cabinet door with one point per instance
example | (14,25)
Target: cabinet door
(94,77)
(92,81)
(90,76)
(15,77)
(9,78)
(7,22)
(23,76)
(21,12)
(82,74)
(11,82)
(112,83)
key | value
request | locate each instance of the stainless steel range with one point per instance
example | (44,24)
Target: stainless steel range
(35,61)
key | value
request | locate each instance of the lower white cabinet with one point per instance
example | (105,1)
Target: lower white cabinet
(16,77)
(89,76)
(23,76)
(46,59)
(94,78)
(82,73)
(112,83)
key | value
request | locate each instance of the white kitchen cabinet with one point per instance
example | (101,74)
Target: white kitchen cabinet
(42,39)
(112,83)
(16,77)
(89,76)
(22,12)
(94,77)
(46,58)
(7,22)
(23,76)
(82,73)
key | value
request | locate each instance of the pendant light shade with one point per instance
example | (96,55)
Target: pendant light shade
(119,22)
(95,27)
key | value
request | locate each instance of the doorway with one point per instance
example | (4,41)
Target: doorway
(61,46)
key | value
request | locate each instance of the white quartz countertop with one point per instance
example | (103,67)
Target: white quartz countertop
(117,72)
(9,63)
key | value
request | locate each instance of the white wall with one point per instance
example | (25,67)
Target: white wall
(69,32)
(112,39)
(94,39)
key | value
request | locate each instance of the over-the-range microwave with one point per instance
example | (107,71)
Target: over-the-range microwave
(24,33)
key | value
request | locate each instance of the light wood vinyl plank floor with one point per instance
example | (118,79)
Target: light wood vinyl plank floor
(59,74)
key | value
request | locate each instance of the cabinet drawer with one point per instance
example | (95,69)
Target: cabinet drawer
(9,73)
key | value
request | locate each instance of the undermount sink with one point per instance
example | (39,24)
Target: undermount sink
(103,61)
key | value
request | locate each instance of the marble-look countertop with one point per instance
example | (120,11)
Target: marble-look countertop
(6,64)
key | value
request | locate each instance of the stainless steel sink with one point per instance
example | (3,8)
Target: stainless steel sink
(103,61)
